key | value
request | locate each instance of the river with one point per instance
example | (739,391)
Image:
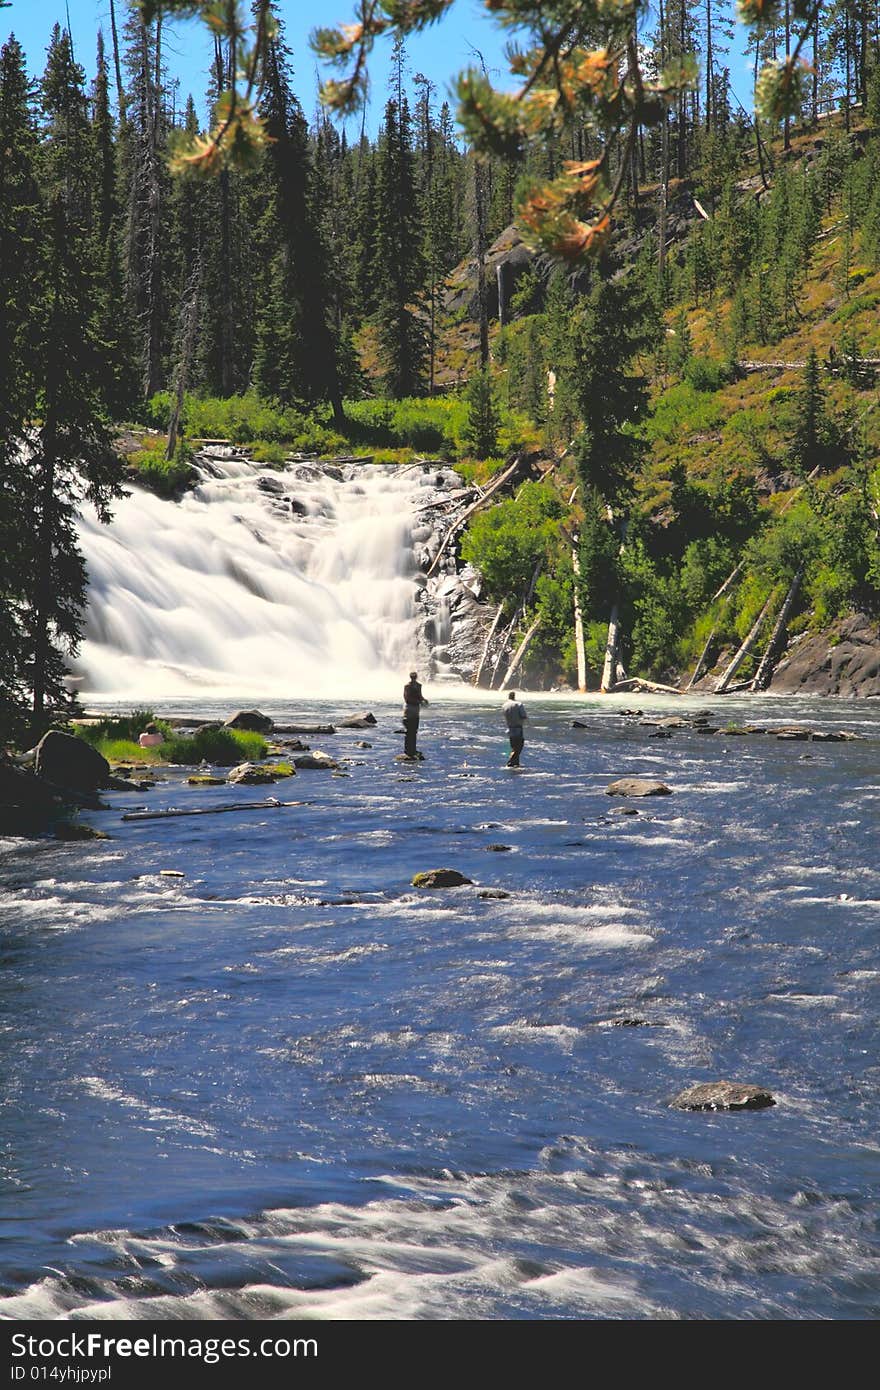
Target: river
(284,1083)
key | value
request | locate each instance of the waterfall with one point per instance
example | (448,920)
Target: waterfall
(302,582)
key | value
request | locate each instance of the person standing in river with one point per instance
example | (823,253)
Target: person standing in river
(413,699)
(516,718)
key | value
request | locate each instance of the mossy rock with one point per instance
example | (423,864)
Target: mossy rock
(440,878)
(71,830)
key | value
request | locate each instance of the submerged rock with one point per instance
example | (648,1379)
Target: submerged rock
(68,761)
(637,786)
(494,893)
(72,830)
(252,720)
(440,878)
(723,1095)
(500,849)
(204,779)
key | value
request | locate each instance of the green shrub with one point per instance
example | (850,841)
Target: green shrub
(221,747)
(164,476)
(125,727)
(267,451)
(704,374)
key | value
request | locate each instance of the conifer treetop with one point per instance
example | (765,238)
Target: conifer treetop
(575,63)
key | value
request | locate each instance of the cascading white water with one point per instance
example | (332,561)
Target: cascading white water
(298,583)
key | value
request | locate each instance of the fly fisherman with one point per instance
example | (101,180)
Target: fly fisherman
(516,718)
(413,699)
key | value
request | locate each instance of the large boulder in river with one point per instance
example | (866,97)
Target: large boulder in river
(249,775)
(637,786)
(251,720)
(70,762)
(317,761)
(440,878)
(723,1095)
(358,721)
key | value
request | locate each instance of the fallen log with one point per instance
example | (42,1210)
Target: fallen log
(479,672)
(722,685)
(652,687)
(768,660)
(496,483)
(520,653)
(270,805)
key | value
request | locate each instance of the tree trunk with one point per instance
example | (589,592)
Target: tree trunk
(609,670)
(764,673)
(189,323)
(493,629)
(744,650)
(579,623)
(117,66)
(520,652)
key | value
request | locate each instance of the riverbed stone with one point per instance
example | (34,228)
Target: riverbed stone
(494,893)
(723,1095)
(253,720)
(440,878)
(249,775)
(358,721)
(204,779)
(637,786)
(68,761)
(317,762)
(72,830)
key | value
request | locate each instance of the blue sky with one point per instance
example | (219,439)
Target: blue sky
(439,53)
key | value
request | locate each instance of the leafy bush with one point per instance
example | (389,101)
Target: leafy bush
(222,747)
(705,374)
(125,727)
(164,476)
(266,451)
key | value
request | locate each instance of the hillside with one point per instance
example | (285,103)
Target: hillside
(759,439)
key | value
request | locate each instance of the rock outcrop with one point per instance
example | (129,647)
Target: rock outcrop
(842,661)
(637,786)
(69,762)
(440,878)
(723,1095)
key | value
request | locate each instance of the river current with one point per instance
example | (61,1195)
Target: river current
(279,1081)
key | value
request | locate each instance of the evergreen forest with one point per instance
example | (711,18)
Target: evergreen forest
(688,379)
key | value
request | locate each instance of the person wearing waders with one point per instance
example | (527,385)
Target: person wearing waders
(413,699)
(515,717)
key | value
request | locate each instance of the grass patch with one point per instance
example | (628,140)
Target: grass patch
(219,747)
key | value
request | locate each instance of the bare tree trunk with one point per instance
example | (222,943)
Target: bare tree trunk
(117,66)
(578,622)
(744,650)
(493,629)
(520,652)
(609,670)
(189,322)
(765,670)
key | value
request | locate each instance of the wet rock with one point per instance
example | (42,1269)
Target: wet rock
(499,849)
(624,811)
(251,720)
(68,761)
(407,758)
(127,784)
(316,762)
(723,1095)
(72,830)
(249,775)
(493,893)
(203,779)
(637,786)
(358,721)
(440,878)
(661,733)
(579,724)
(362,743)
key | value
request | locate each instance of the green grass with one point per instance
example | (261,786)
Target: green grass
(219,747)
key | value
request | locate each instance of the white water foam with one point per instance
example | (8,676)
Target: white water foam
(257,584)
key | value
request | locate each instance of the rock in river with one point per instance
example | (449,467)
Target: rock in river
(723,1095)
(637,786)
(317,760)
(68,761)
(252,720)
(440,878)
(358,721)
(249,775)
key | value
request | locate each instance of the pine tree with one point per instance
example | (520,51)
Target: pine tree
(398,265)
(480,433)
